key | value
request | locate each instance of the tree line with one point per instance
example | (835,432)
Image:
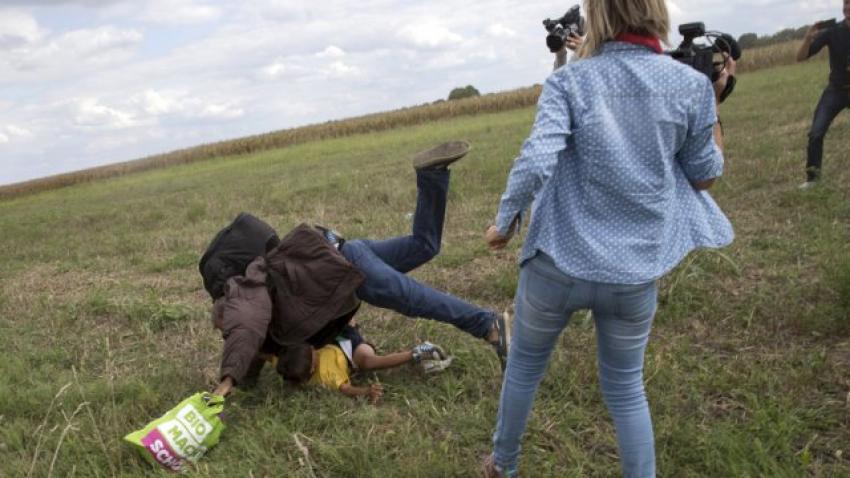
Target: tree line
(751,40)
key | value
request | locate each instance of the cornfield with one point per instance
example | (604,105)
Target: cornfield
(753,59)
(771,56)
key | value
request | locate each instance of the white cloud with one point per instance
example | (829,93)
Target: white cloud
(674,9)
(429,34)
(18,28)
(90,113)
(275,70)
(500,31)
(74,51)
(155,103)
(339,68)
(3,138)
(331,52)
(163,12)
(96,42)
(110,143)
(182,105)
(18,131)
(180,12)
(220,111)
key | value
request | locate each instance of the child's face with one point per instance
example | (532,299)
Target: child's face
(315,361)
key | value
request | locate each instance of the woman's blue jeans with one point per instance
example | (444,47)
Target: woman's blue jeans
(545,300)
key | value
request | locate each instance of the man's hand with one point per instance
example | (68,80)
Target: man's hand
(224,387)
(812,32)
(494,239)
(729,68)
(574,42)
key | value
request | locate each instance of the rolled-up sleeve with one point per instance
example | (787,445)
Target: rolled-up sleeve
(538,155)
(700,157)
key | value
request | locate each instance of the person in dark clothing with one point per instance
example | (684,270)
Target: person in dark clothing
(383,266)
(836,96)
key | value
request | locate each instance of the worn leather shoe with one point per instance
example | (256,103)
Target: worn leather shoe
(440,156)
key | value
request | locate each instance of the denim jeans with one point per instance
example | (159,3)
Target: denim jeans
(831,103)
(545,300)
(384,263)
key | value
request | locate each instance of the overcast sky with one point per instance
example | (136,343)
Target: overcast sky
(91,82)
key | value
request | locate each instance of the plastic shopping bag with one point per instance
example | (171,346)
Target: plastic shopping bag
(183,434)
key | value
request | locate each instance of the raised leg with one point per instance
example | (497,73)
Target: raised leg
(406,253)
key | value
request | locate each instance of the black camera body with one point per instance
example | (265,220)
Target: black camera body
(701,57)
(572,23)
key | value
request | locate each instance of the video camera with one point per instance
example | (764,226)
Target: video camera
(572,23)
(701,57)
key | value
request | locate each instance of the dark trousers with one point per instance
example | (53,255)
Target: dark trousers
(384,263)
(831,103)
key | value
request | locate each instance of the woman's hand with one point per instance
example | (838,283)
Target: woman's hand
(494,239)
(497,241)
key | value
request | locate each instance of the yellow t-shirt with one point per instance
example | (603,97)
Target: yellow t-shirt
(332,369)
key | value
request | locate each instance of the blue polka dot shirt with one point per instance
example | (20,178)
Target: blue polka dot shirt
(618,140)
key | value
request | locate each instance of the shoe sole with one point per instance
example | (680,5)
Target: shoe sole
(503,324)
(434,366)
(441,155)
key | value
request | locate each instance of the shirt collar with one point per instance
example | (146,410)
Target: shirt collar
(620,46)
(651,42)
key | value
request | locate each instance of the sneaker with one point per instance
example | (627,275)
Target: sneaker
(428,351)
(807,185)
(435,365)
(490,470)
(440,156)
(503,327)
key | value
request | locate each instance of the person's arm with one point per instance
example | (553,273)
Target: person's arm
(366,359)
(243,317)
(536,161)
(813,42)
(700,156)
(719,85)
(374,391)
(560,58)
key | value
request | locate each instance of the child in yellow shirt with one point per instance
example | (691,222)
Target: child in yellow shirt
(330,366)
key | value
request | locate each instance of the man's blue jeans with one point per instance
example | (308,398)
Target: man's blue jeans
(385,263)
(545,300)
(831,103)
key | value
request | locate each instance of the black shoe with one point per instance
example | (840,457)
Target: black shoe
(440,156)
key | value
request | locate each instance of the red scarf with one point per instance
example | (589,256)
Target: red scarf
(652,43)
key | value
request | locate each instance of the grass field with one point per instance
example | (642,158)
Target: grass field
(103,320)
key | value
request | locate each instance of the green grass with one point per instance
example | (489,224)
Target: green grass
(102,313)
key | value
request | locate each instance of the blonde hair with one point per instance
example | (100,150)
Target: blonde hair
(608,18)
